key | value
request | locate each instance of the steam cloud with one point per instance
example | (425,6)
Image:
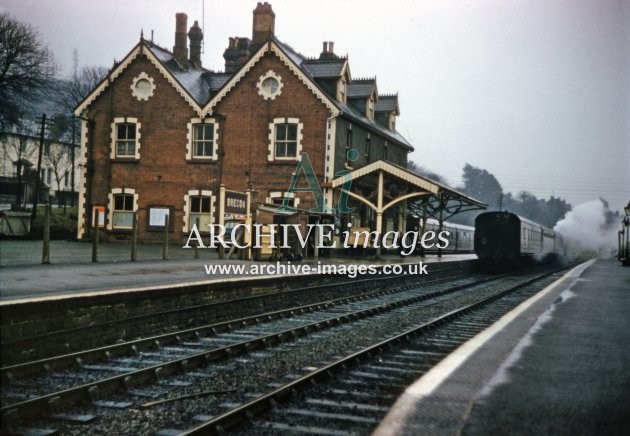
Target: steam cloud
(584,230)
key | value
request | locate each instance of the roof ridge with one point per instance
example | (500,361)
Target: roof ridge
(363,80)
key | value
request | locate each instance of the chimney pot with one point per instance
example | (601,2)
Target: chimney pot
(263,26)
(196,37)
(331,45)
(180,49)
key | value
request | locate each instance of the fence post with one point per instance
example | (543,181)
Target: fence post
(165,245)
(95,244)
(196,247)
(134,238)
(46,248)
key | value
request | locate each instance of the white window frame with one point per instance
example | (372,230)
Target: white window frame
(111,210)
(190,138)
(141,95)
(274,195)
(114,137)
(271,156)
(188,213)
(263,92)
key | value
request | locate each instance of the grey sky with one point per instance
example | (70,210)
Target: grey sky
(535,91)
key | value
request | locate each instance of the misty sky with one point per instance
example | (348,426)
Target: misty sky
(535,91)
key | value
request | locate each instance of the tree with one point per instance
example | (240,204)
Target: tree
(425,172)
(481,185)
(26,65)
(58,156)
(74,89)
(21,151)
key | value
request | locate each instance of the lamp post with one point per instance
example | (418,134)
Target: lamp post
(624,237)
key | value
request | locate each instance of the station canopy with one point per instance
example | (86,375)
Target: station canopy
(381,185)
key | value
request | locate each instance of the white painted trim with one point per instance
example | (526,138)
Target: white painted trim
(113,74)
(190,135)
(110,209)
(273,47)
(271,147)
(197,193)
(431,380)
(128,120)
(381,165)
(283,195)
(172,80)
(134,82)
(82,179)
(329,156)
(140,48)
(264,94)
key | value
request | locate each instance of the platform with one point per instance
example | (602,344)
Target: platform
(71,271)
(559,364)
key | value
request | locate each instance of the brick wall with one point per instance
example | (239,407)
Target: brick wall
(163,176)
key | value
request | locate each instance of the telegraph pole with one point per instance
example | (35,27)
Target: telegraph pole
(39,168)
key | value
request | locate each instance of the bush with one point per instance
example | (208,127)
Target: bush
(62,225)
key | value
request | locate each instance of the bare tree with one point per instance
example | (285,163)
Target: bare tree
(58,155)
(79,85)
(57,159)
(20,150)
(72,92)
(26,65)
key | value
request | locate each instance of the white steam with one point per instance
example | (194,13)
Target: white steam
(584,230)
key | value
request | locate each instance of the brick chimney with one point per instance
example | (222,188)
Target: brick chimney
(238,52)
(328,51)
(196,36)
(180,49)
(264,23)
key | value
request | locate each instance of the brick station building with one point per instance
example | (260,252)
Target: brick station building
(163,133)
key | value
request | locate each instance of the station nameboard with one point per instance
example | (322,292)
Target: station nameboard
(235,202)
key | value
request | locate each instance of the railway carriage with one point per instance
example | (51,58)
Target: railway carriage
(460,237)
(504,236)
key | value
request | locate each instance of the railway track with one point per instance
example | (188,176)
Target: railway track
(351,394)
(34,387)
(119,377)
(16,350)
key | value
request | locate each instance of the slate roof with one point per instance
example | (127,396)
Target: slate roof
(323,69)
(387,103)
(203,84)
(191,79)
(361,88)
(364,86)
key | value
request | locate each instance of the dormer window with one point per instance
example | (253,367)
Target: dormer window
(342,91)
(370,108)
(392,122)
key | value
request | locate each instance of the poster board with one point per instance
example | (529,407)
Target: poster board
(156,218)
(98,216)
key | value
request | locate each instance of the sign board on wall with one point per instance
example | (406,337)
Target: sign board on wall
(98,216)
(235,202)
(157,217)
